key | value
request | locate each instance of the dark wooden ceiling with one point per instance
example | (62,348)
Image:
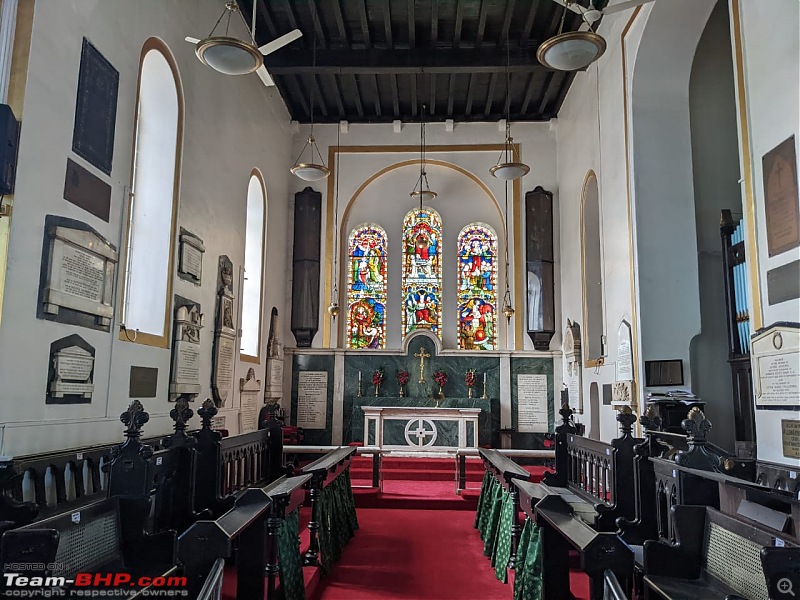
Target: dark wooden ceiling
(381,60)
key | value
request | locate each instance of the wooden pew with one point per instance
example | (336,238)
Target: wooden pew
(108,535)
(506,472)
(286,495)
(714,556)
(600,473)
(612,590)
(207,541)
(323,472)
(212,588)
(564,526)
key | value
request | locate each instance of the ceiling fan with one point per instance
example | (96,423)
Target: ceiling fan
(232,56)
(591,14)
(576,50)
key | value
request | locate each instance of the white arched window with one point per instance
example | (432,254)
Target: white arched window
(154,190)
(592,249)
(253,268)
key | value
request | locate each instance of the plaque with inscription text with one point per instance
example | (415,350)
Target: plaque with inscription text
(531,403)
(781,198)
(775,356)
(312,399)
(71,372)
(790,436)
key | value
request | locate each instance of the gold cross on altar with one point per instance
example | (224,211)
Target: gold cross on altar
(422,355)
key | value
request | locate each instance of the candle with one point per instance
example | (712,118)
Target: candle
(359,377)
(484,379)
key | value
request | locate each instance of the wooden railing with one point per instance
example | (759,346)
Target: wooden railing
(612,590)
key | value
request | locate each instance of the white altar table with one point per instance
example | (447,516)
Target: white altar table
(424,427)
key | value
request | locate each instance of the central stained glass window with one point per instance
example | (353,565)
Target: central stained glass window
(477,288)
(422,271)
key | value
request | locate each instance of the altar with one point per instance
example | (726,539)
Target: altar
(419,428)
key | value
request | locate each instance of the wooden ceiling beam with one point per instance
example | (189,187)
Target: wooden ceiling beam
(377,99)
(377,61)
(529,93)
(339,17)
(451,87)
(339,97)
(457,24)
(506,24)
(412,25)
(362,13)
(481,23)
(526,31)
(550,84)
(487,106)
(298,94)
(318,31)
(395,95)
(263,12)
(432,107)
(470,94)
(434,24)
(357,96)
(319,98)
(387,22)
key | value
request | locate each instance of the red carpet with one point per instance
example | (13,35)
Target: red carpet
(414,554)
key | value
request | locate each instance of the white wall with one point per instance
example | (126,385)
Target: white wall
(772,74)
(231,126)
(461,200)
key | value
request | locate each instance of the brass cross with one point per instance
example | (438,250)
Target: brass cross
(422,355)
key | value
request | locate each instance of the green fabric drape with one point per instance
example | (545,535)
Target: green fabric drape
(528,572)
(493,519)
(291,563)
(485,484)
(337,519)
(502,545)
(488,504)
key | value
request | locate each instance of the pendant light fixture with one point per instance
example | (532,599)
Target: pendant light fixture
(422,190)
(311,171)
(333,307)
(571,51)
(508,308)
(509,166)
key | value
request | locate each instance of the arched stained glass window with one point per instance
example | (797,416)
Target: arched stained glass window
(366,287)
(422,271)
(477,288)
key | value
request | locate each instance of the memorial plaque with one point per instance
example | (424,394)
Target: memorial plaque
(622,393)
(624,352)
(574,366)
(781,198)
(312,399)
(185,375)
(531,403)
(190,257)
(87,191)
(143,382)
(218,423)
(225,334)
(790,434)
(224,360)
(71,371)
(250,391)
(77,282)
(775,357)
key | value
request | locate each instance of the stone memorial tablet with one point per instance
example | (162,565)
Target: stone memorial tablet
(781,207)
(78,275)
(225,334)
(531,403)
(790,435)
(250,392)
(574,366)
(775,357)
(312,399)
(624,352)
(190,257)
(224,360)
(71,371)
(185,375)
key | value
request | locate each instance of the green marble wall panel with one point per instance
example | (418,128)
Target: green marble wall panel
(488,419)
(394,432)
(314,362)
(533,366)
(420,394)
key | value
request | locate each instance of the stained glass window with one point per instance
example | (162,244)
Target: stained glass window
(422,271)
(477,288)
(366,287)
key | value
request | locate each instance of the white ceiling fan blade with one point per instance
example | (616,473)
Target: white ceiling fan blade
(573,6)
(624,6)
(280,42)
(264,75)
(191,40)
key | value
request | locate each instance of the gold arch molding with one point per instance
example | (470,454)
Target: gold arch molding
(333,151)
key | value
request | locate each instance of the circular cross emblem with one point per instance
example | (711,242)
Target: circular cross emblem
(420,432)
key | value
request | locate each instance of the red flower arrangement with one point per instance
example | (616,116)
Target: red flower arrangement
(470,378)
(377,377)
(440,377)
(403,377)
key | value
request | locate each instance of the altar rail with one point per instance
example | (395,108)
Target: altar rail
(544,457)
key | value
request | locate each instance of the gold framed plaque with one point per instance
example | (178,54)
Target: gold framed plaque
(780,198)
(790,435)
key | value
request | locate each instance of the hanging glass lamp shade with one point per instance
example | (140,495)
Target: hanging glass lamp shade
(422,191)
(229,56)
(509,167)
(310,171)
(571,51)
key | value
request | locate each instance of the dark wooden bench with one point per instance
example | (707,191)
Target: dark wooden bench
(212,588)
(323,472)
(507,472)
(286,495)
(565,527)
(612,590)
(207,541)
(104,537)
(600,473)
(714,556)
